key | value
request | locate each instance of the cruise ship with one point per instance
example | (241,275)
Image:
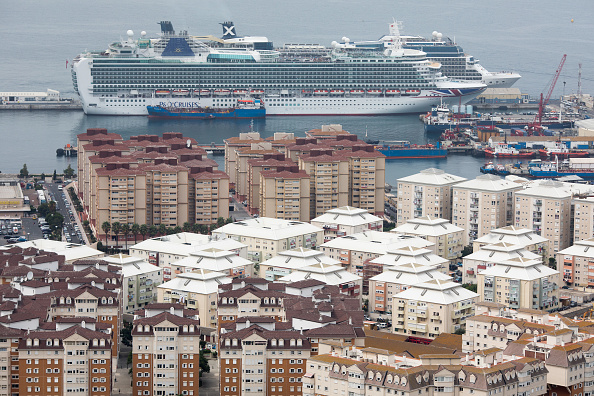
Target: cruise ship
(179,70)
(455,63)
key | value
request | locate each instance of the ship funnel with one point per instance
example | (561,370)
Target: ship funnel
(167,27)
(228,30)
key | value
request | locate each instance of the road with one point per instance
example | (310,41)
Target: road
(123,381)
(210,381)
(66,209)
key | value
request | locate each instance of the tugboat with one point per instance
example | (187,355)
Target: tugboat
(561,151)
(246,108)
(504,150)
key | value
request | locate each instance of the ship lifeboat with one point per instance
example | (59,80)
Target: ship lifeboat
(374,91)
(412,92)
(321,92)
(162,92)
(257,92)
(240,92)
(180,92)
(392,92)
(222,92)
(357,92)
(204,92)
(336,92)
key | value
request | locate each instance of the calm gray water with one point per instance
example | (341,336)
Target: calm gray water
(39,36)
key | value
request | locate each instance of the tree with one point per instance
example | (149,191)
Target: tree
(162,229)
(55,175)
(135,229)
(388,225)
(153,230)
(203,229)
(125,232)
(106,227)
(187,226)
(467,250)
(24,173)
(203,362)
(471,287)
(196,228)
(229,220)
(126,334)
(116,228)
(220,222)
(460,331)
(170,231)
(42,177)
(143,230)
(43,209)
(55,221)
(552,263)
(69,172)
(177,229)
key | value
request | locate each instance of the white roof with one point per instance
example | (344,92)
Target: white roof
(346,215)
(71,251)
(427,226)
(583,248)
(376,242)
(131,266)
(409,274)
(437,292)
(212,259)
(184,243)
(411,255)
(548,189)
(267,228)
(432,176)
(201,282)
(499,252)
(299,258)
(489,183)
(520,268)
(329,274)
(512,235)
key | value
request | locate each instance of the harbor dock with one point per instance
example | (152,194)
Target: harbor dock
(45,106)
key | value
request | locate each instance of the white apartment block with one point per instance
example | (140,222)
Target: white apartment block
(291,260)
(482,204)
(215,260)
(346,220)
(576,263)
(446,236)
(513,235)
(428,193)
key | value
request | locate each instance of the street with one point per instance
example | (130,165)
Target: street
(210,381)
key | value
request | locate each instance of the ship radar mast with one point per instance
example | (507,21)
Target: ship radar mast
(394,47)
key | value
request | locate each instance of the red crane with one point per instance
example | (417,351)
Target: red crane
(537,123)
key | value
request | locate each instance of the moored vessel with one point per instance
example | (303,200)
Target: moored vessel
(402,149)
(246,108)
(505,150)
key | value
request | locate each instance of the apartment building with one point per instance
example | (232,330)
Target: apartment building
(576,263)
(210,187)
(255,167)
(520,283)
(216,260)
(266,236)
(76,360)
(256,361)
(490,255)
(513,235)
(165,355)
(428,309)
(396,278)
(332,275)
(195,290)
(242,157)
(483,204)
(140,281)
(446,237)
(546,209)
(164,250)
(284,193)
(583,218)
(9,356)
(353,251)
(346,220)
(291,260)
(427,193)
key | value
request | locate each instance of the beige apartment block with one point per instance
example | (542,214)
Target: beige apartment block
(367,178)
(165,355)
(446,236)
(490,255)
(243,156)
(397,278)
(431,308)
(208,197)
(428,193)
(520,283)
(196,290)
(235,143)
(583,218)
(576,263)
(291,260)
(329,180)
(266,236)
(285,194)
(347,220)
(216,260)
(483,204)
(255,167)
(332,275)
(513,235)
(251,300)
(546,209)
(9,352)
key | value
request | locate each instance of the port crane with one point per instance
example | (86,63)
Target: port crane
(536,125)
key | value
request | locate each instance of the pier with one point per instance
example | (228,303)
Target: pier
(45,106)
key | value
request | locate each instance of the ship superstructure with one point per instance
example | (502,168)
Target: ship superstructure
(179,70)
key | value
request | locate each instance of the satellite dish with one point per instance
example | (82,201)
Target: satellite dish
(29,275)
(93,283)
(188,143)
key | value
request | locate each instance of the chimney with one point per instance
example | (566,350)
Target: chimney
(83,324)
(247,323)
(172,310)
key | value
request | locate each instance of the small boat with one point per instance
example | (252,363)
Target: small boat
(393,92)
(203,92)
(222,92)
(162,92)
(240,92)
(504,150)
(180,92)
(257,92)
(336,92)
(374,91)
(489,167)
(412,92)
(357,92)
(321,92)
(561,151)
